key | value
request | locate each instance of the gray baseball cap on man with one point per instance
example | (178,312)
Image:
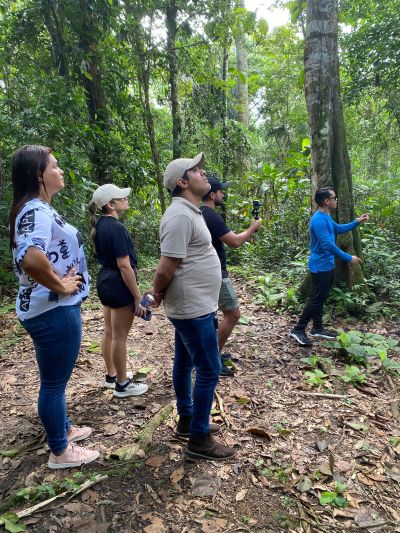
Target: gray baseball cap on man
(176,169)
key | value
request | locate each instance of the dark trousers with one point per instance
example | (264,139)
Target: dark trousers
(321,285)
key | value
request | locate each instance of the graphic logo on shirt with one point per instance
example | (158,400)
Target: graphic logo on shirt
(64,250)
(79,237)
(24,297)
(26,223)
(52,257)
(84,282)
(59,219)
(53,296)
(39,243)
(17,268)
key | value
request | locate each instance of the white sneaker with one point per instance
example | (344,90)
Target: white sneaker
(109,383)
(132,388)
(72,457)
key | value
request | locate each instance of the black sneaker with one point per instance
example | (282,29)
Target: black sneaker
(226,356)
(182,429)
(208,449)
(300,337)
(110,381)
(323,334)
(226,372)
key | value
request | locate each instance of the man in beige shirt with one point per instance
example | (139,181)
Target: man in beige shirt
(188,279)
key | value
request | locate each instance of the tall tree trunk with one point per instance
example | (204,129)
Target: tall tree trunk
(329,155)
(95,98)
(224,139)
(149,122)
(242,88)
(171,13)
(54,27)
(143,75)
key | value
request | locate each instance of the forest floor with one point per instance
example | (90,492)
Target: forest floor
(294,442)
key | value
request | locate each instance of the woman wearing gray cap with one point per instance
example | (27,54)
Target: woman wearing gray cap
(116,285)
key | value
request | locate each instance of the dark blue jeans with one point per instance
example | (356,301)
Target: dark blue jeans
(196,347)
(56,335)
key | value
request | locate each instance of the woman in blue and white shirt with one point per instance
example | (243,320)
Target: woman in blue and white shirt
(53,280)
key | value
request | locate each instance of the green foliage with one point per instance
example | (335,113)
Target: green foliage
(353,375)
(274,293)
(316,377)
(356,302)
(35,493)
(11,523)
(311,361)
(336,498)
(388,364)
(108,140)
(358,347)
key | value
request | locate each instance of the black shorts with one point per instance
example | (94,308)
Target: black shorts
(111,288)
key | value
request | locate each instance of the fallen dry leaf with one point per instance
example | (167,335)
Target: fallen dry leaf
(155,460)
(325,468)
(393,471)
(343,466)
(206,485)
(214,524)
(321,445)
(110,429)
(367,518)
(260,432)
(90,496)
(364,480)
(156,526)
(241,495)
(177,475)
(73,507)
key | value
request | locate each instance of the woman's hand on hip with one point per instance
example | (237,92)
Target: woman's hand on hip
(71,282)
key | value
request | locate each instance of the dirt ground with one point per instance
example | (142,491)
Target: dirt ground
(294,442)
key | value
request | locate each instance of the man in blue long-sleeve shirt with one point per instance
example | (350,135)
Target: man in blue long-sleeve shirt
(321,263)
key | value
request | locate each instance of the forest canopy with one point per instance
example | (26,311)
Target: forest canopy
(119,88)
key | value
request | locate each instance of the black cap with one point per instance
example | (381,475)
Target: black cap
(217,185)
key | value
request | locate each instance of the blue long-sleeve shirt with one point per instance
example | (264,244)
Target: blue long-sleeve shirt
(323,231)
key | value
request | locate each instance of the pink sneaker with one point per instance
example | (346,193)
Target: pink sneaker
(79,433)
(72,457)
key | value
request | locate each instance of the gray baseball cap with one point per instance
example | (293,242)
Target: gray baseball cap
(176,169)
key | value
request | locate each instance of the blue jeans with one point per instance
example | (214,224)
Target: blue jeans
(56,335)
(196,346)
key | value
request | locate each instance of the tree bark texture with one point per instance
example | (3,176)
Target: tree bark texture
(54,27)
(224,137)
(242,66)
(171,23)
(95,98)
(330,162)
(143,67)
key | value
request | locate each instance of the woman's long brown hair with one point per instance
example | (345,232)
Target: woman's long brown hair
(28,164)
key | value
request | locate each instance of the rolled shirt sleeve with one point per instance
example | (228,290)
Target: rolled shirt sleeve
(34,228)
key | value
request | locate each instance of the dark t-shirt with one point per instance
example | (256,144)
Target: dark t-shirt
(217,227)
(113,241)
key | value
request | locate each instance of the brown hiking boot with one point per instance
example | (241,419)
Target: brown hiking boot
(183,428)
(209,449)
